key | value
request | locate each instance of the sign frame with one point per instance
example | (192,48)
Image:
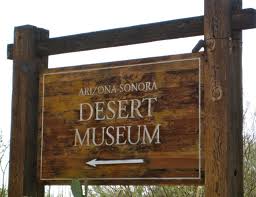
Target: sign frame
(112,65)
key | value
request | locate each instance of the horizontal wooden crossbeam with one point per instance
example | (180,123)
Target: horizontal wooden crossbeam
(180,28)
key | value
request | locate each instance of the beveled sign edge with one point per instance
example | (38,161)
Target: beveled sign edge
(120,64)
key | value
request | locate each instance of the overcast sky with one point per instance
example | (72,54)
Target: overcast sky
(62,17)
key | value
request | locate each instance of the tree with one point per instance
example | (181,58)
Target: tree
(3,165)
(146,191)
(249,142)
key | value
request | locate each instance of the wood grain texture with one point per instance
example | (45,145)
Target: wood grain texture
(222,103)
(26,67)
(237,105)
(176,110)
(180,28)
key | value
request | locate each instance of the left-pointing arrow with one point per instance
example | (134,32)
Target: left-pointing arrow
(95,162)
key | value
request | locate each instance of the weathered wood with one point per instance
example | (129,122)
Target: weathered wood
(172,156)
(23,147)
(245,19)
(10,51)
(138,34)
(222,168)
(123,36)
(237,105)
(132,182)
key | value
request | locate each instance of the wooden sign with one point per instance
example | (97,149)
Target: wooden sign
(132,120)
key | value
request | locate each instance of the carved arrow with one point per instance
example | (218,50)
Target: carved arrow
(95,162)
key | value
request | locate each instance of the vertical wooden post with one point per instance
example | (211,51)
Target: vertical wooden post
(23,148)
(223,173)
(237,104)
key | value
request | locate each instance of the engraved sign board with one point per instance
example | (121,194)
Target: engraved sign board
(137,120)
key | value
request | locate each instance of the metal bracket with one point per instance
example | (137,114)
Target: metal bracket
(200,44)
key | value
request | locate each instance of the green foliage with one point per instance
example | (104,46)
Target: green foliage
(76,188)
(3,166)
(249,165)
(3,192)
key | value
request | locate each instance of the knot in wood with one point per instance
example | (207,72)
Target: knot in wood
(210,45)
(216,93)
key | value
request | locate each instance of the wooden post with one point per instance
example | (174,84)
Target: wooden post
(23,147)
(223,106)
(237,104)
